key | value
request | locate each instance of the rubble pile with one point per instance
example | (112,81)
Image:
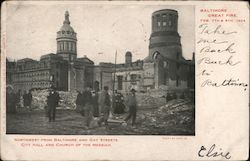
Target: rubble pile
(67,100)
(174,118)
(149,101)
(39,99)
(176,115)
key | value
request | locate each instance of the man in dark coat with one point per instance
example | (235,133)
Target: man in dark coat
(29,95)
(57,98)
(88,106)
(174,96)
(132,104)
(105,105)
(18,99)
(27,99)
(168,97)
(52,102)
(78,101)
(95,103)
(10,102)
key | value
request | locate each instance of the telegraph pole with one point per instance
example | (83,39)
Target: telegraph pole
(113,97)
(114,73)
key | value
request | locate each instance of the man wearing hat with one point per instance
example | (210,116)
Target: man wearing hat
(105,104)
(132,104)
(88,106)
(52,101)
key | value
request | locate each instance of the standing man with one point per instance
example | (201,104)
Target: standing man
(104,103)
(88,107)
(132,104)
(174,95)
(10,100)
(168,97)
(29,99)
(52,101)
(25,99)
(18,98)
(78,101)
(95,103)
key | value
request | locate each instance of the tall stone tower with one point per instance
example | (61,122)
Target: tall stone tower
(164,39)
(66,41)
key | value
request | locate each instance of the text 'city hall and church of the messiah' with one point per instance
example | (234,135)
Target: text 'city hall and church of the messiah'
(164,66)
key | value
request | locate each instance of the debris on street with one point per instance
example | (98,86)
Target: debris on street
(154,116)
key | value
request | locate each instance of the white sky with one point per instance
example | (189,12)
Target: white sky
(31,29)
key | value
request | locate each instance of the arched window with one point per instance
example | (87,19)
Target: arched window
(164,22)
(165,64)
(155,55)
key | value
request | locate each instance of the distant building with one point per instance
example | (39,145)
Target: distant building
(103,75)
(11,68)
(48,71)
(130,74)
(164,65)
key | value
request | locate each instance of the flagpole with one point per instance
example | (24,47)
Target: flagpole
(114,72)
(113,92)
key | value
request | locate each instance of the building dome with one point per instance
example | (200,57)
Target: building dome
(66,28)
(66,31)
(66,40)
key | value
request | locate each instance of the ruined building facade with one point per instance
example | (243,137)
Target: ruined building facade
(164,65)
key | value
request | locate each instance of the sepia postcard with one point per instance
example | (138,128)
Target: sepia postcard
(124,80)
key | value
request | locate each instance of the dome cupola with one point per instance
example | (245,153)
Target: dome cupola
(66,30)
(66,40)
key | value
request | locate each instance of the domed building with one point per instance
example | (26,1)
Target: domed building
(62,70)
(67,41)
(80,70)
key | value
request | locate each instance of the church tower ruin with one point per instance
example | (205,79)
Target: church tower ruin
(165,39)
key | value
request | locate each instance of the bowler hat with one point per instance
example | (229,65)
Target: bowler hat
(132,90)
(106,88)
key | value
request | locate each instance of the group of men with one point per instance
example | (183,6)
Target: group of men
(13,100)
(98,104)
(88,102)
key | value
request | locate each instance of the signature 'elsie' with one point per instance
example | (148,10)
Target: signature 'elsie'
(213,152)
